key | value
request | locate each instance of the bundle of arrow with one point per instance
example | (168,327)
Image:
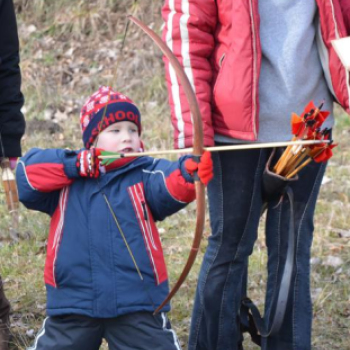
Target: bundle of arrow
(306,127)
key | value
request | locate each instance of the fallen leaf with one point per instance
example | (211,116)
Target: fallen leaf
(333,261)
(342,233)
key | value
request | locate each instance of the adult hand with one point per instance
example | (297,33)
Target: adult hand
(204,168)
(12,160)
(88,163)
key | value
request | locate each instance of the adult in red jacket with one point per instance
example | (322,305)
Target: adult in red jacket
(251,63)
(11,119)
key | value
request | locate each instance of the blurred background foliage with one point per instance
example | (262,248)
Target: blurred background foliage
(68,49)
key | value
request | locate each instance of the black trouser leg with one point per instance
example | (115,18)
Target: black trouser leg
(4,319)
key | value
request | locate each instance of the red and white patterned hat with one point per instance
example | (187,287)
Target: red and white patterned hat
(103,108)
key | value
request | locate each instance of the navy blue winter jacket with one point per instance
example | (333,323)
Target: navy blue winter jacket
(88,269)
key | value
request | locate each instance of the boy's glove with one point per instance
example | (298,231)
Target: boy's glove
(204,168)
(88,163)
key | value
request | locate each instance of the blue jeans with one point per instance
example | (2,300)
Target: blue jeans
(235,202)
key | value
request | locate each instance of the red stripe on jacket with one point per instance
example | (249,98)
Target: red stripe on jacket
(55,237)
(149,232)
(192,55)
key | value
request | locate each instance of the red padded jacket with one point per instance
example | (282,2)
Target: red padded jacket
(224,68)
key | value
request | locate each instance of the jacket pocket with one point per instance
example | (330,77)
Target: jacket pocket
(149,232)
(221,68)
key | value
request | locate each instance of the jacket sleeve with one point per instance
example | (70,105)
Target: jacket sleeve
(345,7)
(168,187)
(40,176)
(12,124)
(189,33)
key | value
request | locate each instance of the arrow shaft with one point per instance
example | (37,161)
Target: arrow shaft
(217,148)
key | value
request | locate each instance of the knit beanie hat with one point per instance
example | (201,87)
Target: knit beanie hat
(103,108)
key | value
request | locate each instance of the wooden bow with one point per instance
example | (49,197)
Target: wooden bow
(197,151)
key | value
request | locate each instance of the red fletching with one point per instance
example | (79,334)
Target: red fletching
(298,125)
(320,118)
(326,154)
(310,106)
(313,119)
(306,127)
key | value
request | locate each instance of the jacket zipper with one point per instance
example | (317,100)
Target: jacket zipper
(222,59)
(254,68)
(347,74)
(334,20)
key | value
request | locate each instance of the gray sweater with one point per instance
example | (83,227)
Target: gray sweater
(291,71)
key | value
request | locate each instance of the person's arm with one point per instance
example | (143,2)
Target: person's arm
(42,174)
(169,185)
(12,124)
(189,33)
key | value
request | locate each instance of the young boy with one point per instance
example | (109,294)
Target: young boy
(105,272)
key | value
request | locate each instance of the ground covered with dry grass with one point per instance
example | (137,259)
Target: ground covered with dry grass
(68,49)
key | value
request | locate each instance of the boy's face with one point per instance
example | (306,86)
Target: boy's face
(120,137)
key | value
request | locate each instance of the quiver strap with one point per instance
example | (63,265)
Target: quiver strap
(274,187)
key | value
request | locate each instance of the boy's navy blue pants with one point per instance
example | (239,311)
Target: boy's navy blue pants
(139,330)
